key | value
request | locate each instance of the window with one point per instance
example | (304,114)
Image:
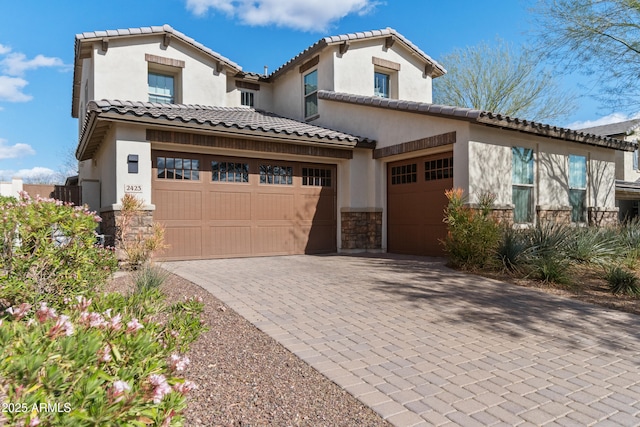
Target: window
(270,174)
(381,84)
(311,94)
(246,98)
(438,169)
(635,160)
(316,177)
(161,88)
(229,172)
(522,185)
(578,187)
(178,168)
(405,174)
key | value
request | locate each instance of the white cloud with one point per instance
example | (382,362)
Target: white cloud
(11,89)
(306,15)
(15,64)
(14,151)
(4,49)
(606,120)
(36,174)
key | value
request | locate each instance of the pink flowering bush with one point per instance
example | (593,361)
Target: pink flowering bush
(48,252)
(106,360)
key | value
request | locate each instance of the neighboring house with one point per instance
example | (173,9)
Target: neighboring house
(627,170)
(340,149)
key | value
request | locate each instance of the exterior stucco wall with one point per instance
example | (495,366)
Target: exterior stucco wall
(101,169)
(624,167)
(131,140)
(354,71)
(490,163)
(124,61)
(288,88)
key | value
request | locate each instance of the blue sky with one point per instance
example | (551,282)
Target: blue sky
(37,133)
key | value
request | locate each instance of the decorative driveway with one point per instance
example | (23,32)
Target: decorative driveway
(425,345)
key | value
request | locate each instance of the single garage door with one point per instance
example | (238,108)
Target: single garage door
(217,207)
(416,202)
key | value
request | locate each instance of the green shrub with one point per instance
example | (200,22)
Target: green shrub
(97,362)
(593,246)
(511,249)
(149,276)
(622,281)
(49,252)
(473,234)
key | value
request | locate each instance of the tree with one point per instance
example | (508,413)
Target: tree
(600,38)
(502,80)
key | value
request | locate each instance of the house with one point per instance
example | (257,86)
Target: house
(627,170)
(340,149)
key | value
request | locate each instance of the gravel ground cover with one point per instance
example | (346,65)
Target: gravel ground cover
(245,378)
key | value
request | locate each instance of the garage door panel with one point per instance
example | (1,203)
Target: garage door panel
(416,202)
(212,218)
(274,206)
(228,206)
(183,242)
(179,205)
(229,240)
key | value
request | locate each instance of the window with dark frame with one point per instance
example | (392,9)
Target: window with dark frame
(161,88)
(311,94)
(522,176)
(405,174)
(438,169)
(178,168)
(381,84)
(276,174)
(316,177)
(229,171)
(578,187)
(247,98)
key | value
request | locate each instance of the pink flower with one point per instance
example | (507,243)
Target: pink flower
(35,421)
(115,323)
(185,387)
(92,320)
(174,334)
(62,326)
(104,354)
(20,311)
(134,326)
(118,389)
(178,363)
(161,388)
(45,313)
(83,303)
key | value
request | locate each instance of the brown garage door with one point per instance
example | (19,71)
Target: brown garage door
(415,203)
(217,207)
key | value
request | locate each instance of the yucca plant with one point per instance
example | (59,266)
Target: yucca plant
(593,246)
(511,249)
(623,281)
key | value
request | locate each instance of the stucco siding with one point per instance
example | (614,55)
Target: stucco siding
(124,61)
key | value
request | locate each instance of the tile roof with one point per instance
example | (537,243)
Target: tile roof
(223,119)
(332,40)
(611,129)
(486,118)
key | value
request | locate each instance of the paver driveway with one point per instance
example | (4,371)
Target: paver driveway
(424,345)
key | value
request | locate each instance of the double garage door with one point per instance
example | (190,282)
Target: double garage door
(216,206)
(416,201)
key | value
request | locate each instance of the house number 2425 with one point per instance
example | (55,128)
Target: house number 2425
(132,188)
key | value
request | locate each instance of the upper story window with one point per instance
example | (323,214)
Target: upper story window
(522,185)
(381,84)
(578,187)
(311,94)
(247,98)
(161,88)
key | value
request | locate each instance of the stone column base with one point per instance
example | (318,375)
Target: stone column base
(554,214)
(602,217)
(140,225)
(361,229)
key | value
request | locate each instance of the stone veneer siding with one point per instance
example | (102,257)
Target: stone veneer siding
(556,215)
(602,217)
(143,223)
(361,229)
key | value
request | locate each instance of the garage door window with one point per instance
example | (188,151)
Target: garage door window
(229,172)
(405,174)
(178,168)
(316,177)
(270,174)
(438,169)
